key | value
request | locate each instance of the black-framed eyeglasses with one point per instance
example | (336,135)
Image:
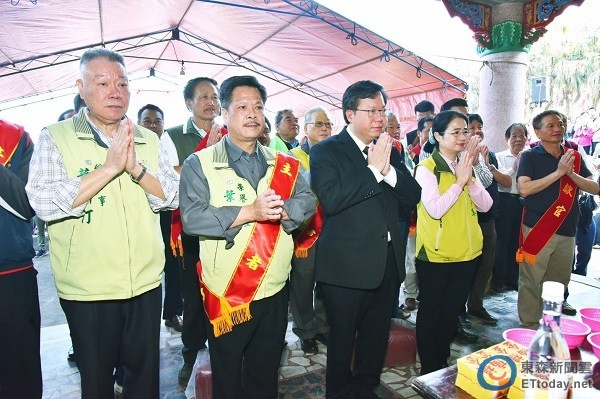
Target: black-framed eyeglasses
(371,112)
(320,124)
(456,133)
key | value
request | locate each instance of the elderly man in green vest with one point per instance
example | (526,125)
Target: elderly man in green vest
(99,181)
(243,200)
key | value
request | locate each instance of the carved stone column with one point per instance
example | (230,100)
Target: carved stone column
(504,32)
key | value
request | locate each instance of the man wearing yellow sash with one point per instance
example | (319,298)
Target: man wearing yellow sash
(243,200)
(549,178)
(306,300)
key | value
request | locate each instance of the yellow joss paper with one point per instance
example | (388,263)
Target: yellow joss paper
(489,372)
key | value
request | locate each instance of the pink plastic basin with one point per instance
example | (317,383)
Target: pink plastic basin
(594,340)
(574,332)
(521,336)
(591,317)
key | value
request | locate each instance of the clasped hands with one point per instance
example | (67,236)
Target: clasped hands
(464,168)
(121,152)
(379,154)
(566,163)
(268,206)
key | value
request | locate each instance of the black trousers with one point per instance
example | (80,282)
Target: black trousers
(506,268)
(359,320)
(193,335)
(245,361)
(484,269)
(20,370)
(443,290)
(120,332)
(172,303)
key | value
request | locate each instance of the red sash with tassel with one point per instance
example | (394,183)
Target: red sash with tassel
(233,307)
(9,141)
(176,226)
(309,235)
(550,221)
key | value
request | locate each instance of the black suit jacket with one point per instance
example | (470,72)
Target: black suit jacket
(359,212)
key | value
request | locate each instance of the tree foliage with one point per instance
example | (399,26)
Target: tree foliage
(570,58)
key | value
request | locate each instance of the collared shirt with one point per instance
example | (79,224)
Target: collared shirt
(537,163)
(390,178)
(52,193)
(167,142)
(506,161)
(483,174)
(211,221)
(289,145)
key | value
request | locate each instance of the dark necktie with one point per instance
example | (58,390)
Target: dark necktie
(366,151)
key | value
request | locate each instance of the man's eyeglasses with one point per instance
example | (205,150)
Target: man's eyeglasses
(456,133)
(320,124)
(371,112)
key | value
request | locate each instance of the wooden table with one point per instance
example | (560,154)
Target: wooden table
(441,384)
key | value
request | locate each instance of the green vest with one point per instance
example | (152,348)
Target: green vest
(185,143)
(228,189)
(301,156)
(115,250)
(278,144)
(456,237)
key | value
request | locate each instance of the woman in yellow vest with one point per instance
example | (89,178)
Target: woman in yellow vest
(449,239)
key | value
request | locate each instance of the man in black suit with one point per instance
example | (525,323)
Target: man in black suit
(360,253)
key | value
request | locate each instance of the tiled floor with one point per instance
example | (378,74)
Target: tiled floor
(61,379)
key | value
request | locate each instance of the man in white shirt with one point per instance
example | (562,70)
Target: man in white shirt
(506,269)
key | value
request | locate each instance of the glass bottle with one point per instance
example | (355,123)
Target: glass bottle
(548,355)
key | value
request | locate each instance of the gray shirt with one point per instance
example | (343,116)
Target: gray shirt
(202,219)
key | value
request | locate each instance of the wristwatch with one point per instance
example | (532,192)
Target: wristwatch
(139,177)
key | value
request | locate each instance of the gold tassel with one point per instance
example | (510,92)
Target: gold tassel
(301,253)
(177,248)
(525,257)
(230,317)
(220,326)
(225,310)
(520,258)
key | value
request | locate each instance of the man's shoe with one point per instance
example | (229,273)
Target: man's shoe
(465,335)
(175,323)
(309,346)
(118,390)
(568,309)
(71,355)
(596,246)
(483,315)
(464,319)
(322,338)
(40,253)
(410,304)
(184,374)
